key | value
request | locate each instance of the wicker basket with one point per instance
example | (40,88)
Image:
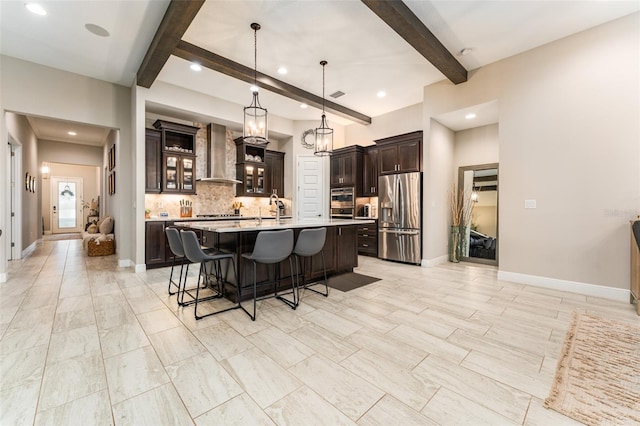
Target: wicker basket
(105,248)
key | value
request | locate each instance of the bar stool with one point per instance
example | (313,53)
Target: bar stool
(195,254)
(175,244)
(271,248)
(310,242)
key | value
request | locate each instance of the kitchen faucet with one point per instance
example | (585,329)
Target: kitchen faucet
(274,195)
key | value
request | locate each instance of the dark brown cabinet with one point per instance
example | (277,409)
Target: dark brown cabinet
(368,239)
(153,161)
(370,171)
(399,154)
(346,168)
(274,162)
(155,242)
(250,169)
(346,248)
(170,158)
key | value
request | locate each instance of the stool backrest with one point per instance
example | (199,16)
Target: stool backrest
(310,241)
(191,245)
(273,246)
(175,242)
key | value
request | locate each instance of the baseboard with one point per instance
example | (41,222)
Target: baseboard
(141,267)
(47,232)
(617,294)
(124,263)
(428,263)
(3,277)
(29,249)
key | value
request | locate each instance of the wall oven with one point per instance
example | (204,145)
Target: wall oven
(343,203)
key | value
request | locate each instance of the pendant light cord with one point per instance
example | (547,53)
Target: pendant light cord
(255,56)
(323,63)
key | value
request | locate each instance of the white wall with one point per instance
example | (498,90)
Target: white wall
(398,122)
(478,145)
(568,138)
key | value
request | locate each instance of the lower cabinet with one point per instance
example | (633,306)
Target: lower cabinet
(156,245)
(368,239)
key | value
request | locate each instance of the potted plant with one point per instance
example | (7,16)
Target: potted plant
(461,208)
(147,213)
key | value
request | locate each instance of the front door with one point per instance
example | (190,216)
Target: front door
(66,206)
(312,192)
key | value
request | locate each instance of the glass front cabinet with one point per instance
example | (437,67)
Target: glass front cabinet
(178,173)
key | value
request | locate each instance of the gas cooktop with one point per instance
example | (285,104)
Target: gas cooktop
(218,215)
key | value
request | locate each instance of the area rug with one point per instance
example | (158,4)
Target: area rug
(597,379)
(350,281)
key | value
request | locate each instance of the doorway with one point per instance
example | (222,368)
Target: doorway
(66,205)
(14,240)
(480,240)
(311,195)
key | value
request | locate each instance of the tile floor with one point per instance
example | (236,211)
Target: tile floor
(84,342)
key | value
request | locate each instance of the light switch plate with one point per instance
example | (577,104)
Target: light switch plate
(529,204)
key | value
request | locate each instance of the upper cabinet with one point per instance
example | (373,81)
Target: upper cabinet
(370,171)
(399,154)
(346,168)
(171,158)
(261,171)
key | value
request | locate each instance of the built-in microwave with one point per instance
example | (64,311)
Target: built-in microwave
(343,203)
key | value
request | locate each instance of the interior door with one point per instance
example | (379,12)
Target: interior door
(312,192)
(66,205)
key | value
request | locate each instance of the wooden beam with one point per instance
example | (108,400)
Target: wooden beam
(233,69)
(175,22)
(403,21)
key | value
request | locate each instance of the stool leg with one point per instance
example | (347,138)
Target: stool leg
(184,287)
(202,268)
(293,304)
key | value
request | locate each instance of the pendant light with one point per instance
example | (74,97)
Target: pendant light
(255,117)
(66,192)
(324,134)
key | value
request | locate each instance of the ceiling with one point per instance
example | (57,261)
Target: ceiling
(364,55)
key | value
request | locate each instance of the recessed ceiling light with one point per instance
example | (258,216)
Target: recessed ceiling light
(196,67)
(381,94)
(72,133)
(36,8)
(466,51)
(470,116)
(282,70)
(97,30)
(304,106)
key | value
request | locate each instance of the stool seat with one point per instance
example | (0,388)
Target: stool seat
(177,251)
(310,242)
(271,248)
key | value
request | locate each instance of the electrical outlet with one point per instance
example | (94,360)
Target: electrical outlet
(529,204)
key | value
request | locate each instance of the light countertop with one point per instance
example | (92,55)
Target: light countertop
(210,219)
(224,226)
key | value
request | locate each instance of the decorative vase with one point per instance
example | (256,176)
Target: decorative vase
(455,246)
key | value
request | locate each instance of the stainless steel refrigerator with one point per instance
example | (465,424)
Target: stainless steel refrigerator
(400,217)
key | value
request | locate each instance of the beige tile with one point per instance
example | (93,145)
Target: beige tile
(287,320)
(71,379)
(202,383)
(506,401)
(142,299)
(240,321)
(261,377)
(73,343)
(114,316)
(239,411)
(18,404)
(222,341)
(428,343)
(472,324)
(295,409)
(346,391)
(175,344)
(537,415)
(121,339)
(389,411)
(159,320)
(332,322)
(280,347)
(388,347)
(20,339)
(32,317)
(158,406)
(95,407)
(448,407)
(324,342)
(411,389)
(133,373)
(22,367)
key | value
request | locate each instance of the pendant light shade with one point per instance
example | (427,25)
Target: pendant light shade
(324,134)
(255,128)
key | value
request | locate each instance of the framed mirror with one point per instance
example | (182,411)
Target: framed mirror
(480,183)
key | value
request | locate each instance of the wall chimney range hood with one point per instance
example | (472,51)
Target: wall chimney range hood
(217,155)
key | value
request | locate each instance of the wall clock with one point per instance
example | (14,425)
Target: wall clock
(308,139)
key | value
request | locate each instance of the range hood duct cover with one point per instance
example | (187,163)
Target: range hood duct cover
(217,155)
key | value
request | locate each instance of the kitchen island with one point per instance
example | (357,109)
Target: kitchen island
(239,236)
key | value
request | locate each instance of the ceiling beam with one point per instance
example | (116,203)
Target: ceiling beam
(174,24)
(403,21)
(233,69)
